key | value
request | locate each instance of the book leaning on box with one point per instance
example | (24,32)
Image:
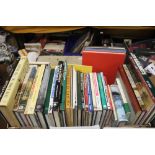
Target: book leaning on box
(8,100)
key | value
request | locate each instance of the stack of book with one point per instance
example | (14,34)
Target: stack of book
(139,90)
(45,96)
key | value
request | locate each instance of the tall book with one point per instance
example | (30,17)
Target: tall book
(58,94)
(49,119)
(68,105)
(98,99)
(63,99)
(32,100)
(41,97)
(8,100)
(93,98)
(50,108)
(103,98)
(74,89)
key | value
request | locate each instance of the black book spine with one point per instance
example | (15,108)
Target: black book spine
(58,87)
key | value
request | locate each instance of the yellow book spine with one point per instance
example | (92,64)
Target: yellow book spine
(14,83)
(31,103)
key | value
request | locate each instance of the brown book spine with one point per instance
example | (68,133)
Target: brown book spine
(141,78)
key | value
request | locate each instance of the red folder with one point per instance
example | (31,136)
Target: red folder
(106,62)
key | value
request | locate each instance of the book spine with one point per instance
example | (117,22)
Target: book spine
(47,99)
(55,77)
(97,93)
(62,105)
(15,80)
(58,87)
(74,88)
(133,85)
(43,89)
(68,96)
(31,103)
(79,90)
(143,75)
(125,102)
(25,93)
(93,91)
(102,92)
(118,104)
(86,92)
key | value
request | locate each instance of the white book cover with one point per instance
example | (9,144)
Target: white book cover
(74,88)
(53,88)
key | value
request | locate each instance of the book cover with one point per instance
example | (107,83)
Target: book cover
(104,61)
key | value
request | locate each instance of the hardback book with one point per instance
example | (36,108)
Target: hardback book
(49,116)
(82,100)
(8,100)
(106,60)
(86,118)
(79,97)
(41,97)
(129,111)
(52,93)
(58,94)
(93,98)
(90,101)
(74,97)
(123,96)
(132,96)
(25,91)
(103,98)
(32,100)
(98,99)
(68,105)
(147,84)
(118,105)
(63,99)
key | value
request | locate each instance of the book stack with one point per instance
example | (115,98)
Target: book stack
(66,95)
(139,90)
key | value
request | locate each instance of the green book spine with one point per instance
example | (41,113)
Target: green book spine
(102,92)
(79,95)
(63,99)
(47,99)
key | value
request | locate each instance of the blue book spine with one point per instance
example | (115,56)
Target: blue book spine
(90,100)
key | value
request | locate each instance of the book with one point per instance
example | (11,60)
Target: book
(32,100)
(103,98)
(21,104)
(8,99)
(63,99)
(123,96)
(57,94)
(103,60)
(41,97)
(98,99)
(68,98)
(49,117)
(118,105)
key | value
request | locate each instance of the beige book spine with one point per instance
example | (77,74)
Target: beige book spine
(31,103)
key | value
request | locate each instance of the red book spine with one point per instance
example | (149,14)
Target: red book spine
(141,78)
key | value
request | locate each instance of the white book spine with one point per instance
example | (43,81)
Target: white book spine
(74,88)
(53,89)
